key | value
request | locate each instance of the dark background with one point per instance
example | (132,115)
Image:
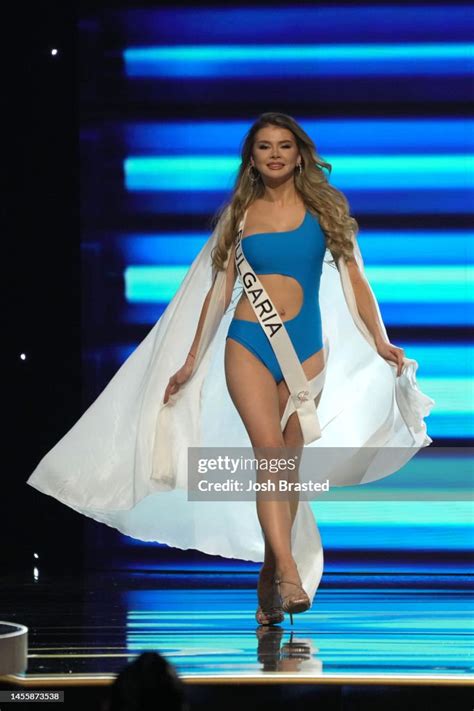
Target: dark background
(46,392)
(43,303)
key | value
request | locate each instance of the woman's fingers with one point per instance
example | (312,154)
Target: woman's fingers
(175,383)
(399,355)
(392,353)
(170,389)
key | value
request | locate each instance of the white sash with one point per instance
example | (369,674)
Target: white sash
(302,391)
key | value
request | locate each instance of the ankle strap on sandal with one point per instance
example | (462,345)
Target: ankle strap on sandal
(287,582)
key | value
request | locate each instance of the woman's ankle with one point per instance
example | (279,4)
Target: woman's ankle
(287,571)
(267,569)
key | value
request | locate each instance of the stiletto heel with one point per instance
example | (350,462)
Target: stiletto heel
(293,603)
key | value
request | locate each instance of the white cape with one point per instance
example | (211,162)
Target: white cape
(124,462)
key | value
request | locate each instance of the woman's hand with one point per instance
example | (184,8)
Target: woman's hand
(176,380)
(390,352)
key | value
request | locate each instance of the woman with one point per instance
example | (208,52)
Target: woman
(125,461)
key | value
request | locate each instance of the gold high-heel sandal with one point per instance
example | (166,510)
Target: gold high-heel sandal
(293,603)
(273,614)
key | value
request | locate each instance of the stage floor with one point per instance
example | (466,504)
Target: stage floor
(361,629)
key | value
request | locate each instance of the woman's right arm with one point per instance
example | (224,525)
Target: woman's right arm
(183,374)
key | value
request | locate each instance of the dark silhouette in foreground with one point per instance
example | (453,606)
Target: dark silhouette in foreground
(148,683)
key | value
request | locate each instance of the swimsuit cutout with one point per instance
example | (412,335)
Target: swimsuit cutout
(299,254)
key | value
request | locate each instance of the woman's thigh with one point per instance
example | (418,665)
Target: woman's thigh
(311,366)
(254,392)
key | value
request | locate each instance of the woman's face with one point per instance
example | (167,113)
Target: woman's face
(274,144)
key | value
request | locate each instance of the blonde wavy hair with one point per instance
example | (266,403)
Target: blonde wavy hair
(330,205)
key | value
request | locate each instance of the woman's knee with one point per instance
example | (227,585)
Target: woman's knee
(271,441)
(293,435)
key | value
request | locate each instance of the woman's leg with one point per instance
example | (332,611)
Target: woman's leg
(292,433)
(294,442)
(260,403)
(254,393)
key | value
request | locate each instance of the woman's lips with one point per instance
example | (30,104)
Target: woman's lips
(275,166)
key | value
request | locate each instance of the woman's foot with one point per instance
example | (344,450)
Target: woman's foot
(266,587)
(269,610)
(293,596)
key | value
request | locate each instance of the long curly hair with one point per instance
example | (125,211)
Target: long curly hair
(330,205)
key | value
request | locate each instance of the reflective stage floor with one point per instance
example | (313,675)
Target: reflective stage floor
(407,629)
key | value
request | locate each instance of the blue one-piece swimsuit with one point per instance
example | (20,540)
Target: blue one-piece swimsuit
(299,254)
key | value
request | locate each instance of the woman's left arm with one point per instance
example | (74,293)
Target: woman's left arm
(369,314)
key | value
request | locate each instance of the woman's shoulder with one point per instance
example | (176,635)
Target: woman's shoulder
(261,217)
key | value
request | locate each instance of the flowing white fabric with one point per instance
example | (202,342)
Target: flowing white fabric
(124,462)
